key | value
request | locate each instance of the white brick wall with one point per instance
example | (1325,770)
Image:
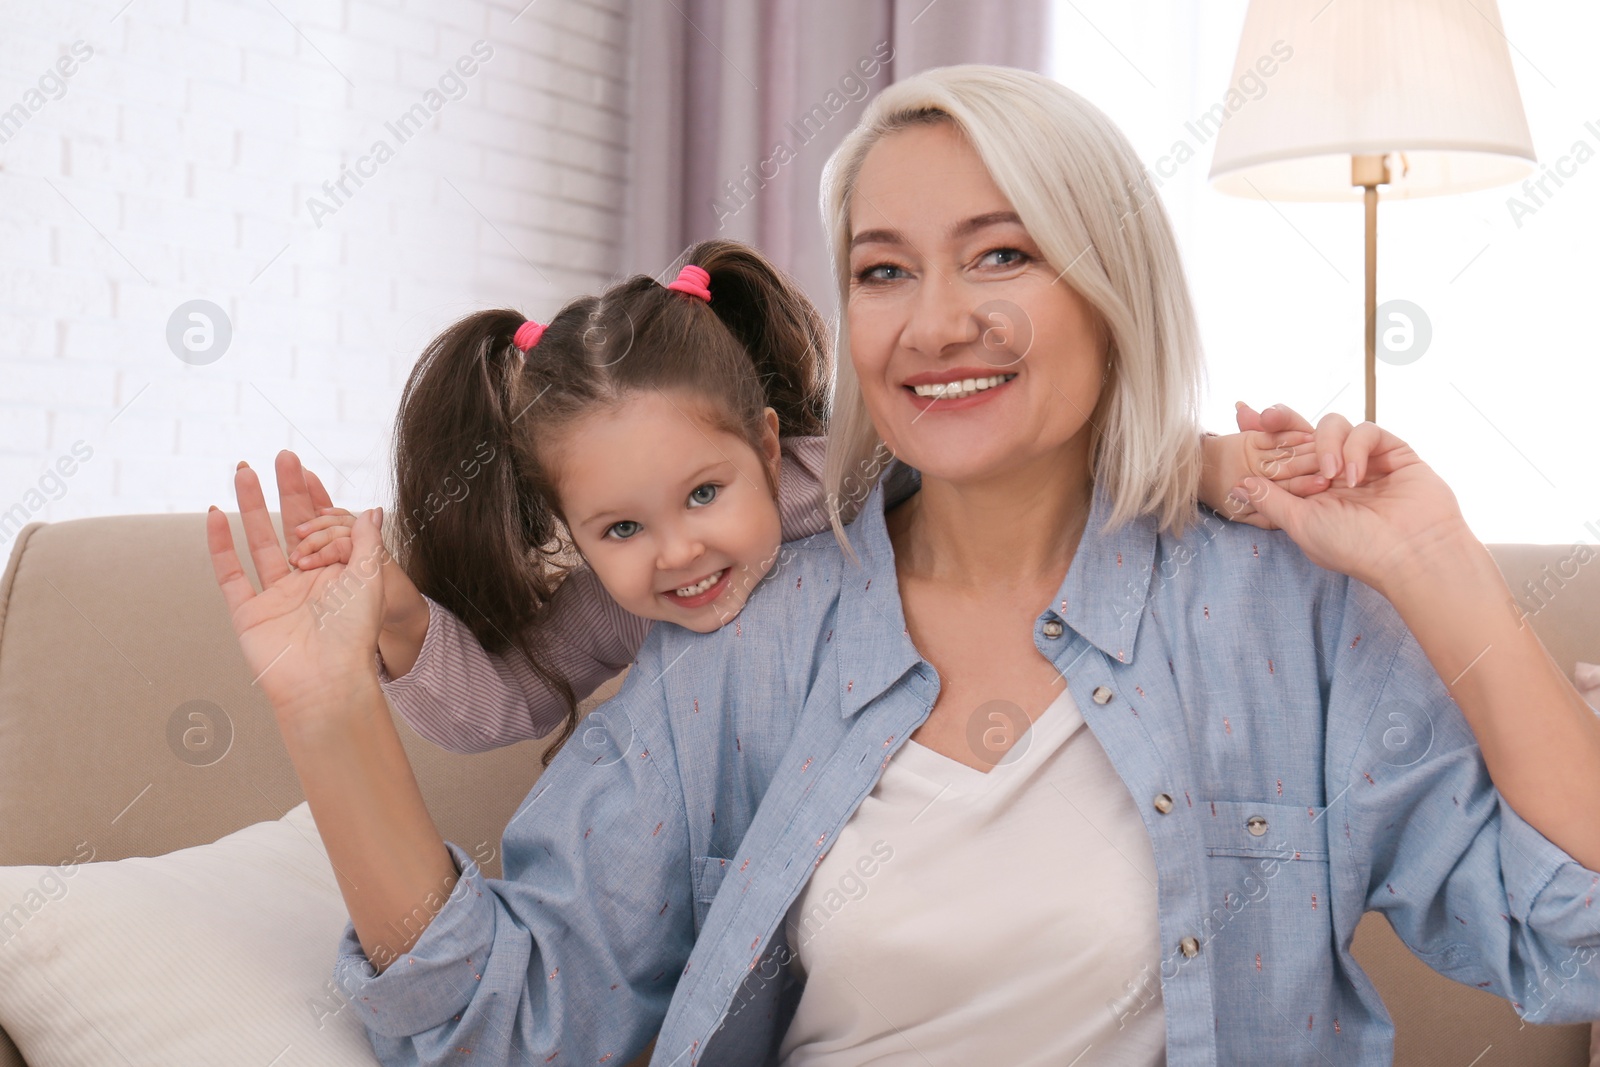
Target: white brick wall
(177,165)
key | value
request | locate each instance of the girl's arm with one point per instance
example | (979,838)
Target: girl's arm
(466,699)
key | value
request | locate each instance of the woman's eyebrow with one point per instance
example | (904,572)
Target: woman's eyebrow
(982,222)
(878,237)
(959,230)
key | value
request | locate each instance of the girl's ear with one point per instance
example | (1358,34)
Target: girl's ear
(771,446)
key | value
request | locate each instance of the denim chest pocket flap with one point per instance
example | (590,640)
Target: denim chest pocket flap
(1257,829)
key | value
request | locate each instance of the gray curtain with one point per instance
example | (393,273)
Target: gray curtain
(736,106)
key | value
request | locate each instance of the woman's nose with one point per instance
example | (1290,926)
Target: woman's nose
(941,316)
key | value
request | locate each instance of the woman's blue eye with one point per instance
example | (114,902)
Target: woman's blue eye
(870,274)
(1021,256)
(617,528)
(698,497)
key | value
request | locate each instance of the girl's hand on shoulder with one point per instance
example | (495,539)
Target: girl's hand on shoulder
(1383,515)
(1277,444)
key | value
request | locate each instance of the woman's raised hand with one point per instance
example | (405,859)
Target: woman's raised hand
(305,633)
(1382,514)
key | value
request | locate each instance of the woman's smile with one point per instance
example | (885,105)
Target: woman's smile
(956,390)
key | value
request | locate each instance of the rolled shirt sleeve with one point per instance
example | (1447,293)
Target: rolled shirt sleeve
(580,945)
(1472,889)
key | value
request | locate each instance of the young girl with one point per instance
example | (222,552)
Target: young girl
(647,428)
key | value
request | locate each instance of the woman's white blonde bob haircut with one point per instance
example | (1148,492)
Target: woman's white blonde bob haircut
(1085,198)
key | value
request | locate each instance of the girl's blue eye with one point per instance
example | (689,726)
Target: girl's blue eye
(697,496)
(616,528)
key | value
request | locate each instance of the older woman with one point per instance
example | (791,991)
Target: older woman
(1047,766)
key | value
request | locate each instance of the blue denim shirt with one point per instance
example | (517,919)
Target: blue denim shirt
(1295,757)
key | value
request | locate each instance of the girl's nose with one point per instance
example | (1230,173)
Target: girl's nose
(679,550)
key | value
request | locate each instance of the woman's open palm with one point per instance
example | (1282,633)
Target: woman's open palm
(305,631)
(1379,528)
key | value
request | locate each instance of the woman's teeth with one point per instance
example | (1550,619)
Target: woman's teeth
(701,586)
(965,387)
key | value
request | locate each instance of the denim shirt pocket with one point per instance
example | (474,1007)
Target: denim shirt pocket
(708,873)
(1255,829)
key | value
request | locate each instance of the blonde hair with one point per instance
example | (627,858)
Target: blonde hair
(1083,195)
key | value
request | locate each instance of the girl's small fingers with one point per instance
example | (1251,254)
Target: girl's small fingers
(1247,417)
(314,542)
(323,522)
(336,551)
(1290,438)
(1288,464)
(1306,484)
(1285,417)
(1299,441)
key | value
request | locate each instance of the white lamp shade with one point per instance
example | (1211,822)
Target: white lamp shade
(1428,78)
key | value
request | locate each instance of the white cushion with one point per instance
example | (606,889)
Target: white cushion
(219,954)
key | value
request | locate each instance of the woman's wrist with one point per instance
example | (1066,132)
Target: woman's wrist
(371,816)
(1448,559)
(336,710)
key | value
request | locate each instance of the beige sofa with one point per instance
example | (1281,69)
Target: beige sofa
(108,625)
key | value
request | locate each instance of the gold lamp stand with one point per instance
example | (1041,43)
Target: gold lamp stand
(1369,172)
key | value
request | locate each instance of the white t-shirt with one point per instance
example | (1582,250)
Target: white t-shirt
(968,917)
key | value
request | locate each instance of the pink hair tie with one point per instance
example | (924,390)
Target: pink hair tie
(528,335)
(694,281)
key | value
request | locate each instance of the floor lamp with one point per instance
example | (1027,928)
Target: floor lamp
(1417,96)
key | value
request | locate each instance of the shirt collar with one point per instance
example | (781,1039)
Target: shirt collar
(1102,597)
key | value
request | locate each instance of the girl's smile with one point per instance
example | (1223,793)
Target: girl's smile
(702,592)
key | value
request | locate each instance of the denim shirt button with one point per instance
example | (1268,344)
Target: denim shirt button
(1053,629)
(1256,824)
(1163,802)
(1189,947)
(1102,695)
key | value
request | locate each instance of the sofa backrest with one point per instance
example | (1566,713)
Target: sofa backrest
(128,722)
